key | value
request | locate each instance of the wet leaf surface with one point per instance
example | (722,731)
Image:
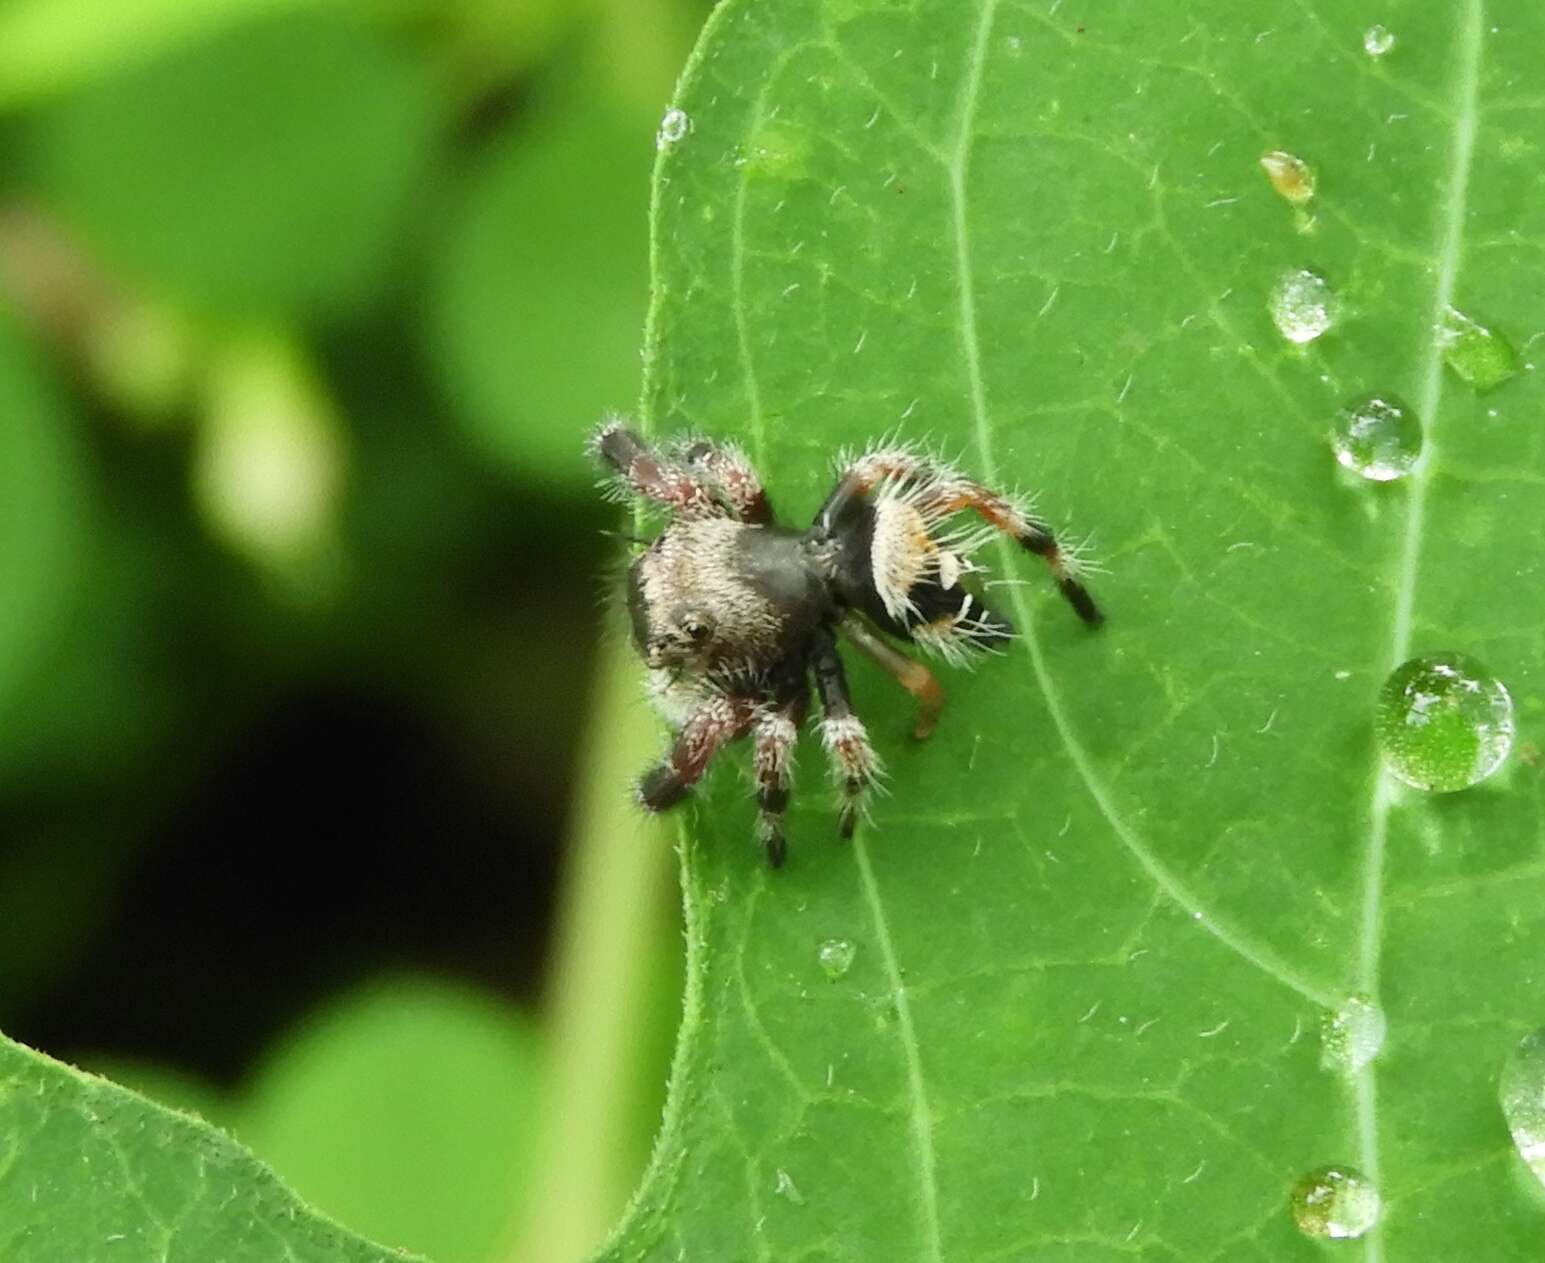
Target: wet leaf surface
(1104,912)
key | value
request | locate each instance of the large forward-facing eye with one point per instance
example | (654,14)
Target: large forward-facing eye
(695,629)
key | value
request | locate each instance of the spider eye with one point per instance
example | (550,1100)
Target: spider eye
(694,629)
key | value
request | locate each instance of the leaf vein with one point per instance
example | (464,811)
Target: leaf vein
(1449,250)
(921,1115)
(1234,939)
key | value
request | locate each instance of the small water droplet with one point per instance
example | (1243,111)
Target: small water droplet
(1302,306)
(1289,174)
(1378,437)
(836,957)
(673,127)
(1378,40)
(1522,1092)
(1480,356)
(1335,1202)
(785,1187)
(1445,722)
(1351,1036)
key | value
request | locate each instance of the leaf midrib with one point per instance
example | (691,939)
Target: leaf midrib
(1167,881)
(1449,251)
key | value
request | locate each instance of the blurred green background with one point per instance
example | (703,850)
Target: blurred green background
(313,741)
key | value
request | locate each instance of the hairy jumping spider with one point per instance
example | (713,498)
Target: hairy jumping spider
(734,613)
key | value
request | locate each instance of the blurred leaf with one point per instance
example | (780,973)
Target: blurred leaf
(406,1110)
(266,168)
(1105,910)
(46,46)
(539,298)
(269,469)
(92,1173)
(615,953)
(639,46)
(482,45)
(41,528)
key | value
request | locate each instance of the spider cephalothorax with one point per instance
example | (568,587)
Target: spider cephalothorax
(735,614)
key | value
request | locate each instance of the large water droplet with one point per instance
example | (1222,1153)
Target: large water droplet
(1302,306)
(1378,40)
(1444,721)
(1335,1202)
(1352,1036)
(1522,1093)
(1480,356)
(836,956)
(1377,437)
(673,127)
(1289,174)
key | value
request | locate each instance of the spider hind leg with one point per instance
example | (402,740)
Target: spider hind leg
(954,622)
(912,675)
(928,492)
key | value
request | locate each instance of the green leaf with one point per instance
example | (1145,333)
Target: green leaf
(540,289)
(47,45)
(92,1173)
(406,1110)
(41,528)
(265,168)
(1102,914)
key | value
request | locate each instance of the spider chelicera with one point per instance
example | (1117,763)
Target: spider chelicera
(734,614)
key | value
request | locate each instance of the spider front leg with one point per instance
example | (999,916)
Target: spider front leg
(646,473)
(718,721)
(775,732)
(729,469)
(854,761)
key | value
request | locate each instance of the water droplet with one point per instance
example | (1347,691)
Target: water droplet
(1522,1093)
(673,127)
(1480,356)
(785,1187)
(1289,174)
(1351,1036)
(836,957)
(1378,40)
(1444,721)
(1302,306)
(1378,437)
(1335,1202)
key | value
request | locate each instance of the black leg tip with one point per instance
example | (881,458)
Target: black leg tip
(777,851)
(661,790)
(614,442)
(1082,603)
(845,825)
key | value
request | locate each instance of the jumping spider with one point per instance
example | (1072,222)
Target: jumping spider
(733,613)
